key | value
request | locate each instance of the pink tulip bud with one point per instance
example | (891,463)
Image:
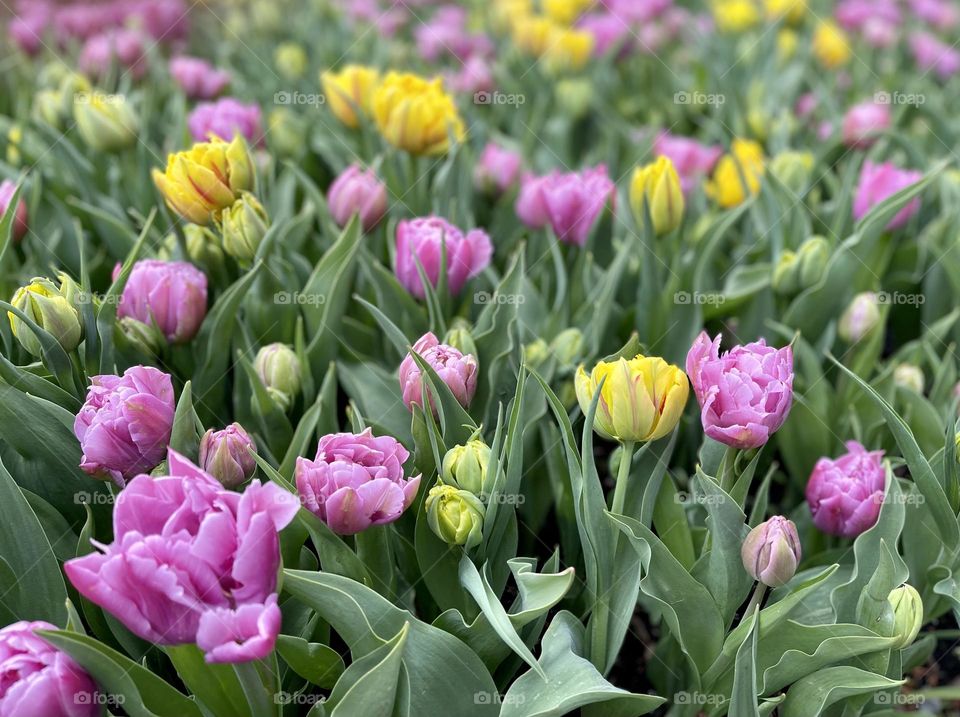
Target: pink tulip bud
(425,240)
(693,160)
(570,203)
(880,181)
(7,189)
(225,118)
(225,455)
(771,552)
(845,494)
(357,191)
(172,295)
(863,122)
(198,79)
(497,169)
(455,369)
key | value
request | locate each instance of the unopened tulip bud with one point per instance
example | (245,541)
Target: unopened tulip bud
(785,279)
(861,317)
(279,369)
(243,227)
(907,614)
(813,255)
(42,302)
(536,353)
(771,552)
(225,454)
(657,187)
(107,123)
(455,516)
(575,96)
(146,337)
(792,169)
(7,189)
(287,132)
(291,60)
(910,377)
(567,347)
(465,466)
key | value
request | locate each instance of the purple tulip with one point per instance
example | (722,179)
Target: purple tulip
(693,160)
(225,454)
(457,370)
(474,75)
(225,118)
(446,34)
(863,122)
(198,79)
(356,481)
(853,15)
(608,31)
(40,680)
(845,494)
(26,30)
(745,394)
(192,562)
(940,13)
(7,189)
(425,240)
(771,551)
(570,203)
(930,53)
(879,181)
(124,47)
(497,170)
(124,425)
(169,294)
(357,191)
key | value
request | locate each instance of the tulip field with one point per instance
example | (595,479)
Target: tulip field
(491,358)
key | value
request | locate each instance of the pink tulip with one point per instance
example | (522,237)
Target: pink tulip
(171,295)
(692,159)
(930,53)
(880,181)
(7,190)
(498,169)
(357,191)
(426,240)
(124,47)
(569,203)
(845,494)
(457,370)
(225,118)
(198,79)
(863,122)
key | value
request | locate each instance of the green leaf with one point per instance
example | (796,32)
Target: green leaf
(743,699)
(314,662)
(371,685)
(815,692)
(218,687)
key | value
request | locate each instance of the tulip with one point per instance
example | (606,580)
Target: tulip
(356,481)
(863,122)
(349,93)
(745,394)
(771,552)
(793,11)
(574,96)
(416,115)
(146,338)
(735,15)
(744,163)
(831,46)
(226,118)
(930,53)
(860,318)
(124,47)
(456,370)
(198,79)
(106,123)
(793,170)
(803,268)
(431,241)
(357,191)
(907,606)
(910,377)
(642,398)
(568,49)
(497,169)
(692,160)
(570,203)
(459,337)
(51,310)
(290,60)
(655,188)
(124,425)
(39,679)
(564,11)
(243,226)
(171,295)
(192,562)
(446,33)
(465,466)
(536,353)
(226,455)
(474,75)
(455,516)
(880,181)
(845,494)
(280,372)
(567,347)
(199,183)
(286,132)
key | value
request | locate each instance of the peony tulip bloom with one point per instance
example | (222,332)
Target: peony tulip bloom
(457,370)
(124,425)
(349,93)
(357,191)
(125,47)
(356,481)
(192,562)
(771,552)
(428,240)
(39,679)
(863,122)
(416,115)
(226,118)
(880,181)
(570,203)
(198,79)
(171,295)
(745,394)
(845,494)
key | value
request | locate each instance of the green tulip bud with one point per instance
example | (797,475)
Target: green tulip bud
(910,377)
(42,301)
(279,369)
(567,347)
(47,107)
(861,317)
(907,613)
(575,96)
(460,338)
(785,279)
(536,353)
(243,227)
(291,60)
(813,256)
(455,516)
(145,337)
(288,132)
(792,169)
(465,466)
(107,123)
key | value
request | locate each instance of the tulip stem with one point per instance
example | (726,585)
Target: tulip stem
(756,599)
(623,473)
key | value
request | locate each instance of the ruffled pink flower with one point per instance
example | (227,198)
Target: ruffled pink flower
(226,118)
(425,240)
(7,190)
(124,425)
(124,47)
(863,122)
(192,562)
(497,169)
(609,31)
(854,14)
(570,203)
(692,159)
(356,481)
(930,53)
(446,33)
(198,79)
(941,14)
(845,494)
(357,191)
(474,75)
(745,394)
(172,295)
(457,370)
(880,181)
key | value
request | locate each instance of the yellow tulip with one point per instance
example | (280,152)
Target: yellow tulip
(199,183)
(727,186)
(50,308)
(657,185)
(735,15)
(641,400)
(793,11)
(787,42)
(564,11)
(349,91)
(416,115)
(569,49)
(830,45)
(107,123)
(533,34)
